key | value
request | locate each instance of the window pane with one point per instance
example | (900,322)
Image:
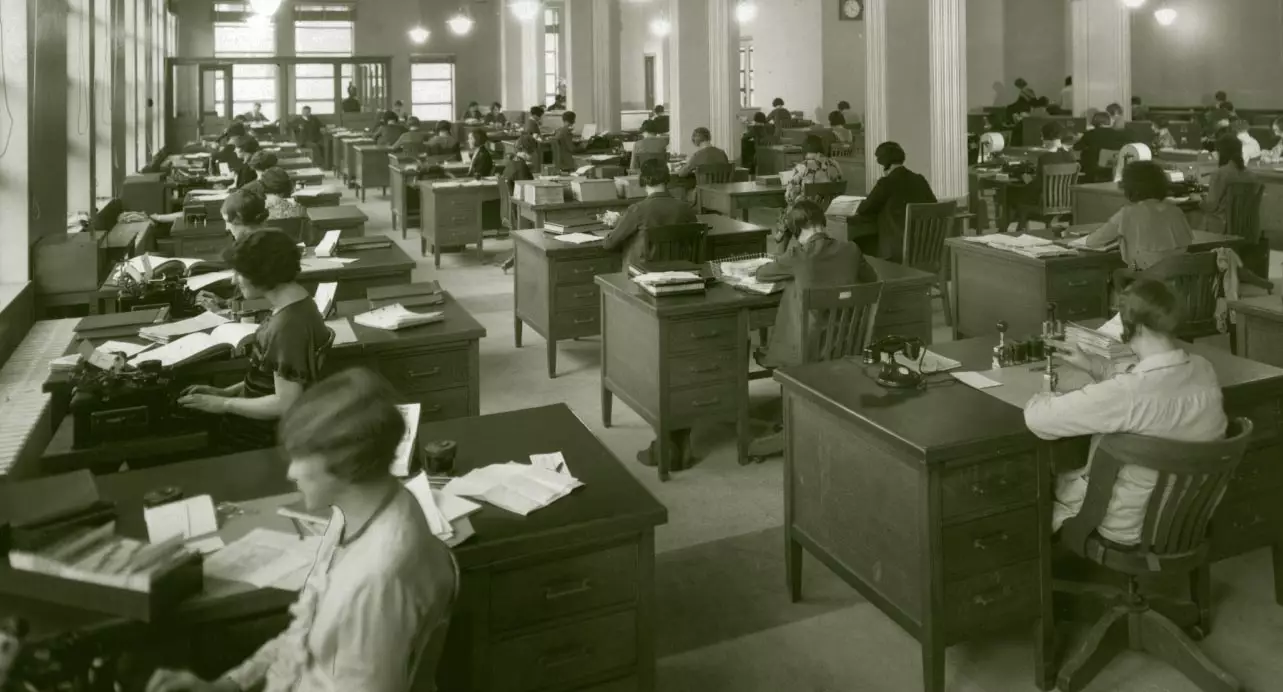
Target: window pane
(253,71)
(323,38)
(433,112)
(325,107)
(239,39)
(326,71)
(430,92)
(310,89)
(431,70)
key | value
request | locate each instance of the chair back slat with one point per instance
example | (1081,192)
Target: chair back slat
(1058,188)
(1195,280)
(838,321)
(714,173)
(678,242)
(926,227)
(823,193)
(841,148)
(1244,216)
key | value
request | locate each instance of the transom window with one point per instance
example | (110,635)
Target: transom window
(432,89)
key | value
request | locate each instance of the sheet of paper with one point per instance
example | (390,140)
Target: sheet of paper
(343,333)
(1020,383)
(476,482)
(191,325)
(405,448)
(207,545)
(1113,328)
(421,489)
(462,531)
(325,248)
(324,297)
(975,379)
(262,557)
(931,362)
(552,461)
(201,281)
(505,497)
(579,238)
(129,349)
(188,518)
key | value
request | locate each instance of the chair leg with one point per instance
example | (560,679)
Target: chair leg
(1098,647)
(1161,638)
(1200,589)
(943,286)
(766,446)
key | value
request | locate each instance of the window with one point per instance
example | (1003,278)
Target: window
(250,83)
(746,73)
(314,84)
(551,53)
(432,90)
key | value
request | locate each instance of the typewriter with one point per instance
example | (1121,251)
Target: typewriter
(112,400)
(80,661)
(165,288)
(1182,184)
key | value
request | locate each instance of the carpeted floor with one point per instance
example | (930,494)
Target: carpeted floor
(725,622)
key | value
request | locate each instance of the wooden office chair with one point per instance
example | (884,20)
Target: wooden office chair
(823,193)
(926,227)
(428,656)
(1196,281)
(296,227)
(1056,198)
(841,149)
(1244,221)
(836,322)
(714,173)
(1192,477)
(683,242)
(411,150)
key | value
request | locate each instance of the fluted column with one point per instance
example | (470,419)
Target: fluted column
(532,61)
(875,86)
(577,34)
(510,59)
(1102,55)
(688,71)
(723,71)
(949,98)
(79,170)
(605,64)
(14,193)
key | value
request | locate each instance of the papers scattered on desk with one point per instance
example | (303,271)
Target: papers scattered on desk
(518,488)
(405,448)
(1080,243)
(844,205)
(164,333)
(931,362)
(447,514)
(107,348)
(228,337)
(342,329)
(193,517)
(579,238)
(1028,245)
(320,264)
(265,559)
(975,380)
(1042,251)
(325,248)
(393,317)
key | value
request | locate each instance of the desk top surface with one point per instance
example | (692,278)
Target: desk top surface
(611,503)
(1202,241)
(558,206)
(1269,307)
(547,243)
(721,297)
(949,419)
(373,148)
(340,212)
(745,188)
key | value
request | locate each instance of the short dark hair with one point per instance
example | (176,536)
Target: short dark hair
(759,117)
(1114,109)
(413,122)
(245,207)
(1229,149)
(1222,96)
(1042,102)
(307,108)
(1051,130)
(1135,100)
(276,181)
(390,117)
(889,154)
(1099,119)
(1241,126)
(1021,83)
(844,106)
(537,111)
(654,173)
(569,117)
(813,145)
(473,103)
(648,128)
(837,119)
(659,110)
(480,135)
(1227,107)
(266,258)
(247,144)
(1069,81)
(496,104)
(1144,180)
(1149,303)
(777,102)
(398,102)
(444,126)
(262,160)
(258,103)
(349,419)
(701,135)
(804,214)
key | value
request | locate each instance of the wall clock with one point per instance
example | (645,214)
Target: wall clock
(851,9)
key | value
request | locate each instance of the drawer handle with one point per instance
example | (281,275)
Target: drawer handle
(707,402)
(984,542)
(566,658)
(436,408)
(414,374)
(1081,283)
(581,587)
(707,335)
(585,320)
(584,294)
(983,489)
(705,368)
(989,597)
(584,270)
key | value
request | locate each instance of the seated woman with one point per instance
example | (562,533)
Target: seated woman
(815,167)
(278,189)
(1163,138)
(1148,229)
(652,142)
(283,359)
(659,208)
(837,124)
(1275,155)
(443,141)
(495,116)
(482,162)
(372,613)
(1216,208)
(518,168)
(473,112)
(246,148)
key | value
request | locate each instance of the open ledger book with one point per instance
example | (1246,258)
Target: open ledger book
(226,338)
(393,317)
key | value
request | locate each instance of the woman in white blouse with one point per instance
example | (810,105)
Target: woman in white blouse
(376,604)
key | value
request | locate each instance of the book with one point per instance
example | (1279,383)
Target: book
(69,362)
(646,267)
(573,226)
(413,294)
(844,205)
(164,333)
(227,338)
(324,297)
(328,244)
(672,289)
(129,322)
(395,316)
(368,242)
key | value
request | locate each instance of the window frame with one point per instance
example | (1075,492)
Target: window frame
(747,85)
(453,81)
(271,105)
(338,74)
(552,31)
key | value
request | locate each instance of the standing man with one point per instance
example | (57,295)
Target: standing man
(307,133)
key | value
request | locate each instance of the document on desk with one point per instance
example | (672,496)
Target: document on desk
(1017,384)
(975,380)
(929,362)
(201,281)
(518,488)
(189,518)
(264,558)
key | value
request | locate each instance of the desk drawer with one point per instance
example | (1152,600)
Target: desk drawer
(1261,469)
(989,485)
(1078,283)
(989,543)
(704,335)
(444,404)
(701,402)
(585,296)
(701,368)
(570,324)
(556,589)
(560,657)
(1081,308)
(990,600)
(583,270)
(457,219)
(1246,522)
(426,372)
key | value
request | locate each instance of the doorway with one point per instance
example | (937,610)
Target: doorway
(648,75)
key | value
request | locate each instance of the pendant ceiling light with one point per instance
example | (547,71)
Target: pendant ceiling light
(525,10)
(1133,4)
(264,7)
(745,11)
(1165,16)
(660,27)
(461,24)
(419,35)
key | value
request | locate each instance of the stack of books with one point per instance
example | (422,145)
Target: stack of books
(407,295)
(395,316)
(670,283)
(226,339)
(1098,342)
(742,274)
(573,226)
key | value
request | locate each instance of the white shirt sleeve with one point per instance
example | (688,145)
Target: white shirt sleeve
(1099,408)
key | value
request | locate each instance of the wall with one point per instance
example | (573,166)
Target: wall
(635,43)
(1034,47)
(1230,45)
(987,83)
(788,62)
(843,60)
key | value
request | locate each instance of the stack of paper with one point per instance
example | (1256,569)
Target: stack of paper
(164,333)
(844,205)
(405,448)
(579,238)
(518,488)
(324,297)
(447,514)
(265,559)
(325,248)
(393,317)
(668,283)
(1105,342)
(1042,251)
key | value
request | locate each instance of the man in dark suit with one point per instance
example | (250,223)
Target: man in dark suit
(658,209)
(1027,198)
(898,188)
(307,133)
(1101,137)
(391,131)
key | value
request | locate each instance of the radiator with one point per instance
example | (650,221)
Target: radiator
(25,427)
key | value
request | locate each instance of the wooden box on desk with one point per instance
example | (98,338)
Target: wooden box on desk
(144,192)
(67,264)
(203,241)
(173,587)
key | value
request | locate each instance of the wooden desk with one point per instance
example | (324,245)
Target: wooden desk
(295,162)
(307,176)
(944,518)
(317,197)
(371,168)
(553,290)
(781,157)
(991,285)
(201,241)
(385,266)
(506,633)
(347,160)
(538,215)
(733,199)
(1098,202)
(405,197)
(346,218)
(679,361)
(1259,322)
(451,215)
(437,365)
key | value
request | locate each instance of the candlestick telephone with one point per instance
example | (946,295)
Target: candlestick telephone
(893,374)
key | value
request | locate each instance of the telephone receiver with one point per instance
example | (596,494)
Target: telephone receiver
(894,374)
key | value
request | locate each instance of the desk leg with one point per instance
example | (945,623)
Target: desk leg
(607,405)
(664,443)
(793,561)
(552,357)
(932,662)
(743,212)
(1278,572)
(516,330)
